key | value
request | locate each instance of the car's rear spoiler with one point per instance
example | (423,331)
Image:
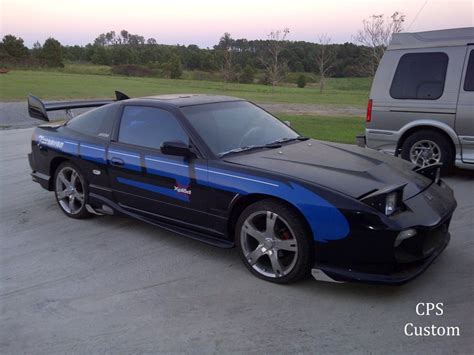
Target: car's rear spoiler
(39,109)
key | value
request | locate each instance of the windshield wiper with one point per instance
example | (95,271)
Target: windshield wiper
(285,140)
(275,144)
(241,149)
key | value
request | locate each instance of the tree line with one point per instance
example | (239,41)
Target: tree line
(235,60)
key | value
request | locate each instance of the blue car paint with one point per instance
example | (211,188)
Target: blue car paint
(132,161)
(71,147)
(87,151)
(154,188)
(325,220)
(174,169)
(92,152)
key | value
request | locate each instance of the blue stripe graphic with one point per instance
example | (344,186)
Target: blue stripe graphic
(93,152)
(172,169)
(132,161)
(326,221)
(154,188)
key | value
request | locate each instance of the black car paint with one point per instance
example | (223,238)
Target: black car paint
(337,173)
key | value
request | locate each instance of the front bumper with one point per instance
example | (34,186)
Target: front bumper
(401,274)
(385,255)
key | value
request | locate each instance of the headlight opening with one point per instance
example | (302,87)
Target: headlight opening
(387,200)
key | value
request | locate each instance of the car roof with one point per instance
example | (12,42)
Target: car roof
(182,100)
(429,39)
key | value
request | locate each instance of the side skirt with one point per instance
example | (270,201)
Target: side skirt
(186,232)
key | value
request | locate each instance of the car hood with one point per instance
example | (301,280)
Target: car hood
(345,168)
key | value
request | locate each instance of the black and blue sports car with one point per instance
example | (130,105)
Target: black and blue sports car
(224,171)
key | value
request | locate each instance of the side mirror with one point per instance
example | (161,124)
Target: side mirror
(288,123)
(177,148)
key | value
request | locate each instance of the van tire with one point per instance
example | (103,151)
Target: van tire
(436,141)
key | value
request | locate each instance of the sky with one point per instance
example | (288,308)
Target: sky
(202,22)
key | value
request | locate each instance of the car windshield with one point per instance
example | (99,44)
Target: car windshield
(235,126)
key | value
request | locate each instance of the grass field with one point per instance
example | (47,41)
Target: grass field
(16,85)
(94,81)
(327,128)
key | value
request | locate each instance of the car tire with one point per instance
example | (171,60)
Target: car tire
(284,254)
(71,191)
(431,142)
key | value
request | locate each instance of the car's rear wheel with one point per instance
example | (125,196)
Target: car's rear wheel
(428,147)
(71,191)
(274,243)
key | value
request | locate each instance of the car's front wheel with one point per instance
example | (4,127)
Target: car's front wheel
(274,242)
(71,191)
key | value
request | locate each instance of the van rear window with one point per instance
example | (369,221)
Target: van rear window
(469,80)
(420,76)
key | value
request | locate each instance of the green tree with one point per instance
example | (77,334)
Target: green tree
(247,75)
(301,81)
(122,55)
(13,47)
(173,67)
(52,53)
(36,51)
(99,55)
(225,47)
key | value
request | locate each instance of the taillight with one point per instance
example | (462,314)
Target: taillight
(368,117)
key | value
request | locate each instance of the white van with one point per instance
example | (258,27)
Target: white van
(421,105)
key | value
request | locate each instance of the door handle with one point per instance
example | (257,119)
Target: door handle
(117,161)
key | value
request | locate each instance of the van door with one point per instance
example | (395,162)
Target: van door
(465,109)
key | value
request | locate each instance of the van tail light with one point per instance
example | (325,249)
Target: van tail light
(368,116)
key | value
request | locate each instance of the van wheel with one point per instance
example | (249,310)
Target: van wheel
(427,148)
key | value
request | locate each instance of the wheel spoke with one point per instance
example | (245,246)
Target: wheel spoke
(62,194)
(253,257)
(71,204)
(270,229)
(78,196)
(63,179)
(73,178)
(254,232)
(276,265)
(272,257)
(289,245)
(425,152)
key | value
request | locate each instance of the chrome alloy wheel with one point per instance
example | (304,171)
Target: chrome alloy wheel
(269,244)
(424,153)
(69,190)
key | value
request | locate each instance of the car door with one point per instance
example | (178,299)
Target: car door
(148,182)
(465,109)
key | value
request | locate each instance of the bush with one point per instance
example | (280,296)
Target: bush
(264,79)
(131,70)
(301,82)
(51,53)
(173,67)
(247,75)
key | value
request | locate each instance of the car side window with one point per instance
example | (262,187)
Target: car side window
(98,122)
(149,127)
(420,76)
(469,79)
